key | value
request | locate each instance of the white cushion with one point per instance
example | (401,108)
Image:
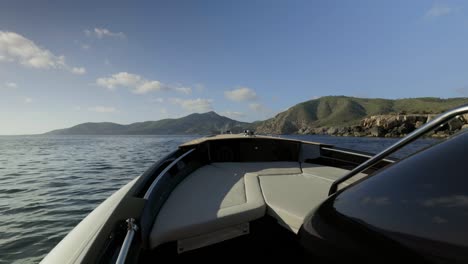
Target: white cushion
(214,197)
(261,168)
(329,173)
(221,195)
(291,197)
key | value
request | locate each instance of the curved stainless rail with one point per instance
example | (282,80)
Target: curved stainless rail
(158,178)
(437,121)
(131,230)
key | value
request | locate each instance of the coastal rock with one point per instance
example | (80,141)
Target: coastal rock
(332,131)
(441,134)
(359,134)
(418,124)
(377,131)
(405,128)
(357,129)
(455,124)
(397,125)
(387,125)
(465,117)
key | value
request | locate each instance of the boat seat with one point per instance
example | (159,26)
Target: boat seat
(214,197)
(290,198)
(328,173)
(223,195)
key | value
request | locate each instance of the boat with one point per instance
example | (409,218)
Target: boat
(242,196)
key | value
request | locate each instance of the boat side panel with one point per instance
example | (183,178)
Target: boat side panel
(73,248)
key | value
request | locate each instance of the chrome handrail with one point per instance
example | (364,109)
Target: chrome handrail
(132,228)
(354,153)
(158,178)
(431,125)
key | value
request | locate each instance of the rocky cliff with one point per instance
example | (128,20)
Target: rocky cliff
(391,126)
(351,116)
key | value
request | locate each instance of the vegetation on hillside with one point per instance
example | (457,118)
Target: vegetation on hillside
(339,111)
(202,124)
(328,111)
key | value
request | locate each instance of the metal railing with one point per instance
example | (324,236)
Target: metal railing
(158,178)
(431,125)
(132,228)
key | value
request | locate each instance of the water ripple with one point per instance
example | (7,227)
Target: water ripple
(49,183)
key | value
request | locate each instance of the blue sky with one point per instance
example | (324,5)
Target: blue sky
(67,62)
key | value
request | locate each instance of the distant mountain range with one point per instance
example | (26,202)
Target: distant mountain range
(202,124)
(329,111)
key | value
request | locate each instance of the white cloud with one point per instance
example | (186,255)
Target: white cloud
(241,94)
(28,100)
(102,109)
(193,105)
(103,32)
(123,79)
(137,84)
(79,70)
(11,85)
(16,48)
(233,114)
(257,107)
(438,11)
(85,46)
(148,86)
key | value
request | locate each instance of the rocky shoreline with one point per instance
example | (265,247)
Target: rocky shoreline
(390,126)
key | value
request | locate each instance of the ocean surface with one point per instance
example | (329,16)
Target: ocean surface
(48,184)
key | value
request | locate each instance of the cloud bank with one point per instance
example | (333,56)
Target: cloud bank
(241,94)
(16,48)
(137,84)
(198,105)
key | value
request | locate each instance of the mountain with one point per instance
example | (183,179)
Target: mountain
(325,112)
(340,111)
(203,124)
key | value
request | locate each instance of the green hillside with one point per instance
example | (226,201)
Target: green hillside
(202,124)
(329,111)
(338,111)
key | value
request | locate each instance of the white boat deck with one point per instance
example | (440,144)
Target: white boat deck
(222,195)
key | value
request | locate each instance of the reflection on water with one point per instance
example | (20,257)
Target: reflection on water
(49,183)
